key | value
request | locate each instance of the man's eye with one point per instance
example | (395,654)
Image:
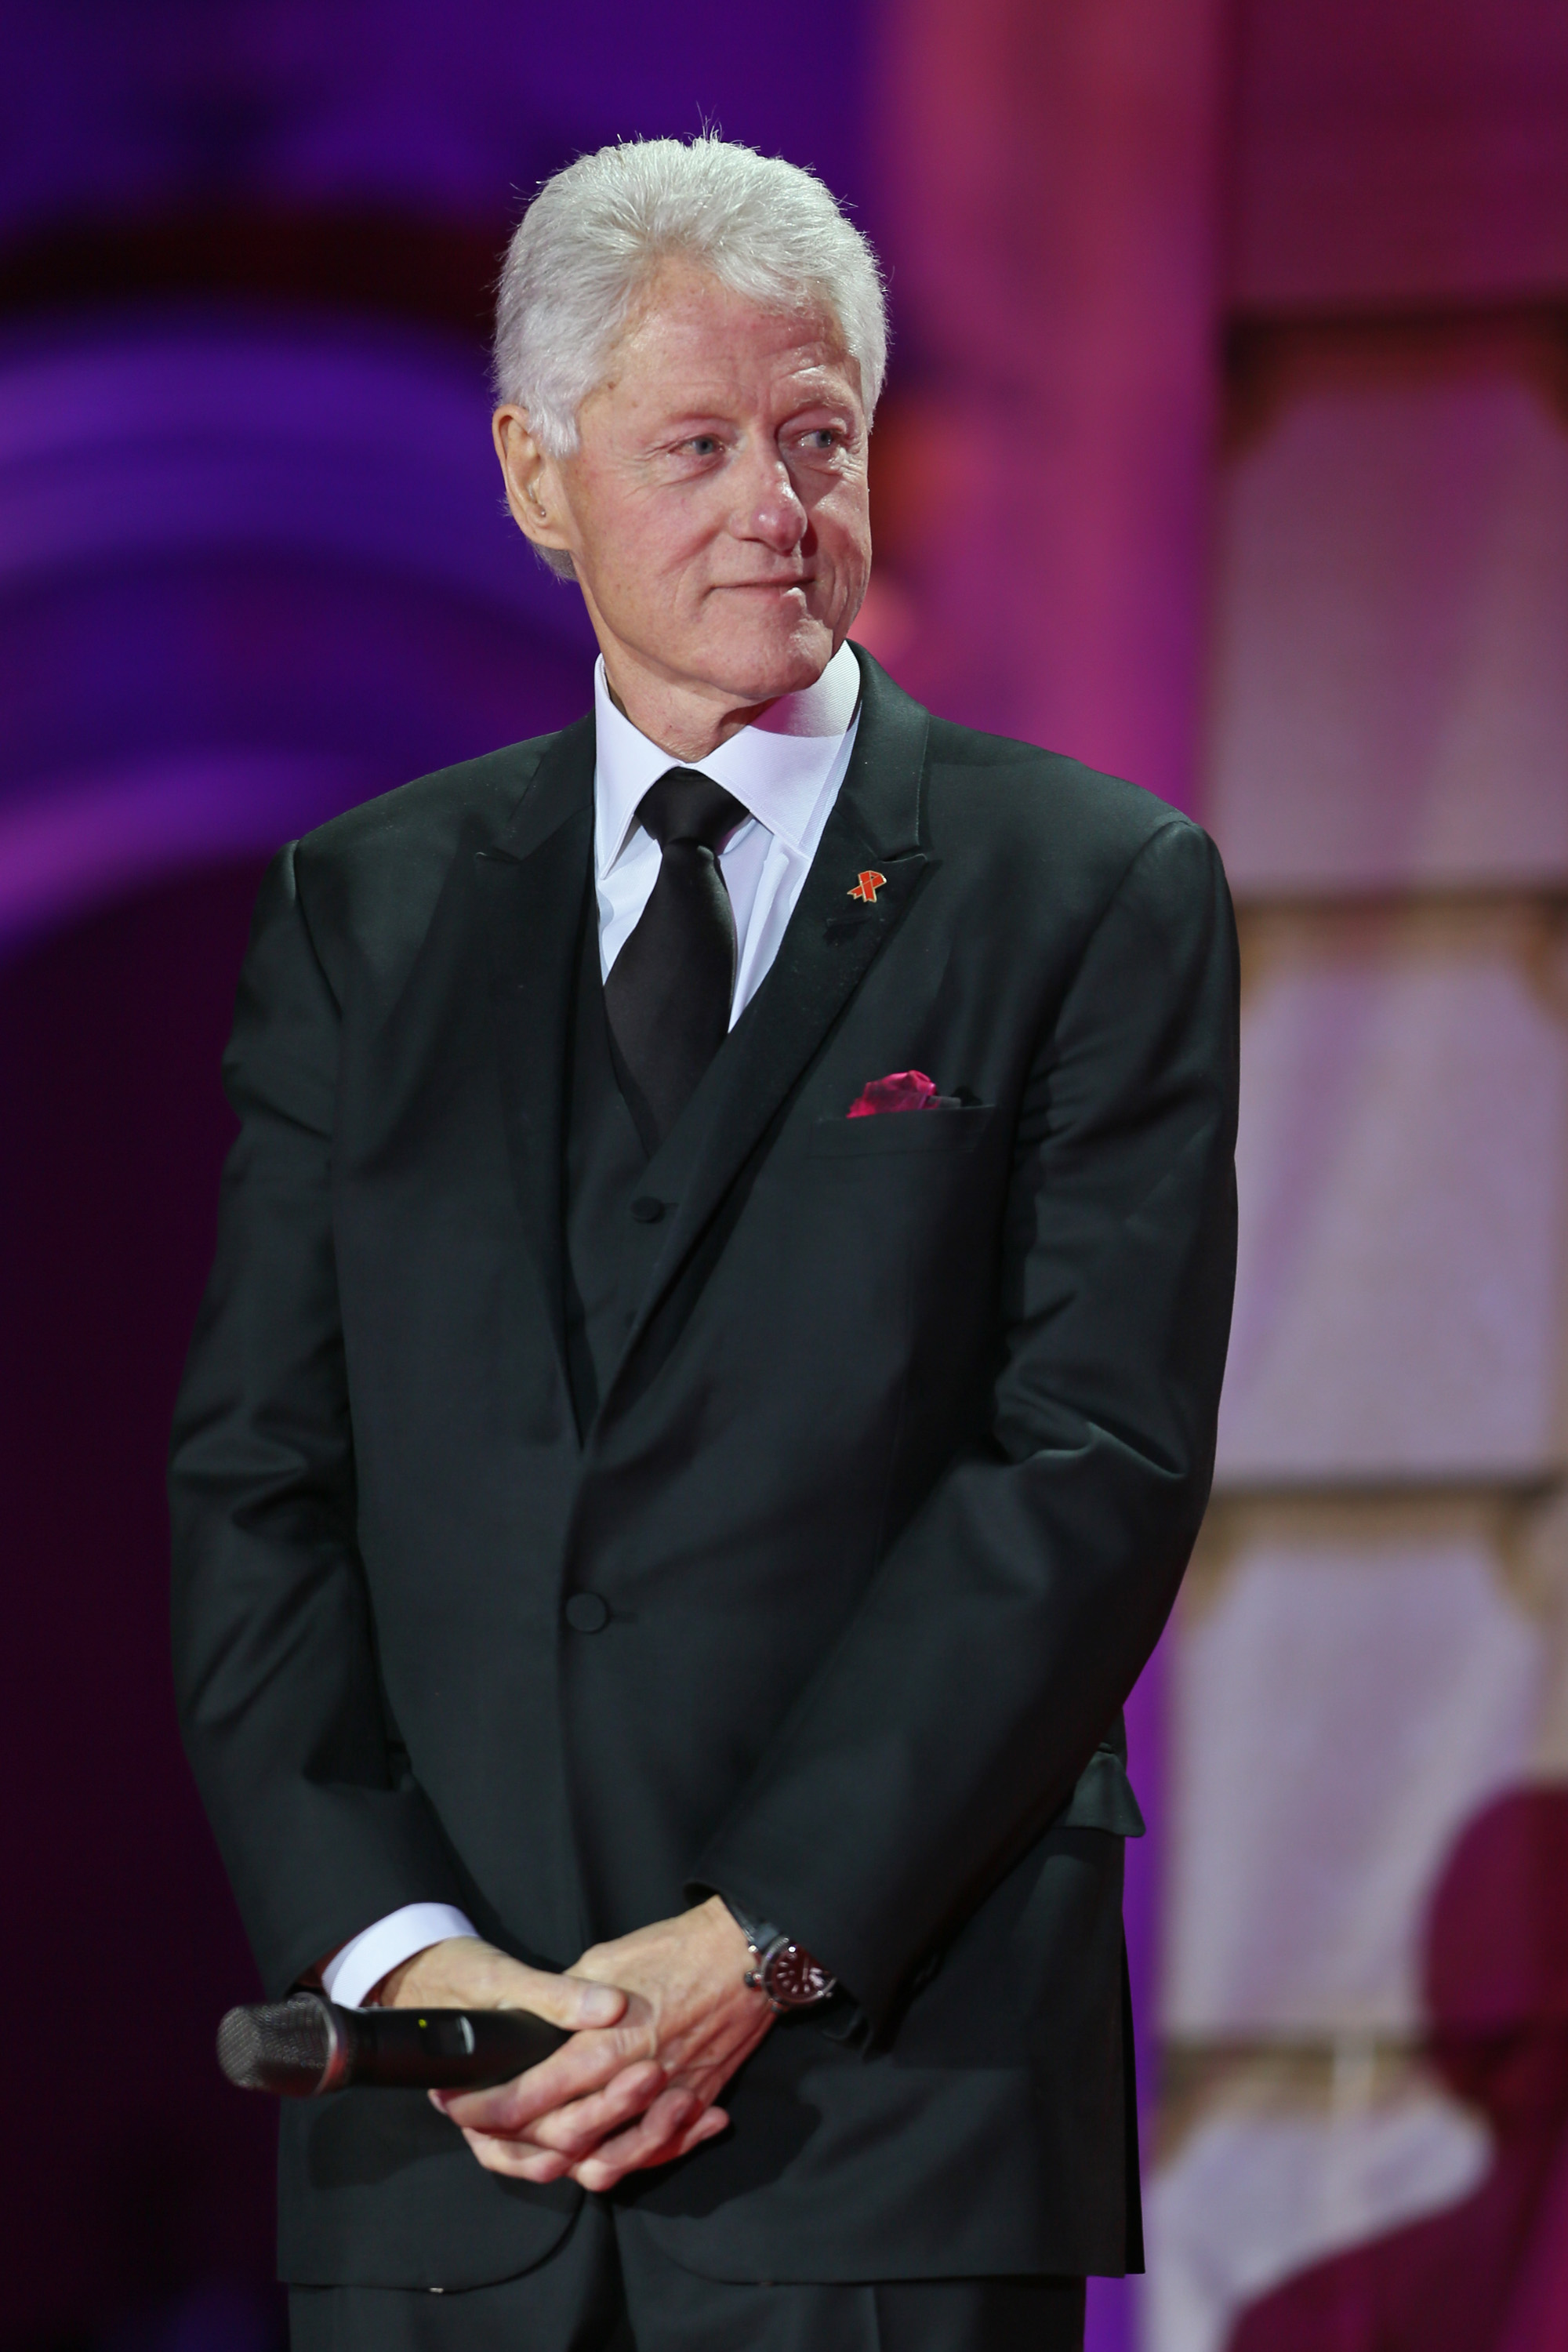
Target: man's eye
(703,445)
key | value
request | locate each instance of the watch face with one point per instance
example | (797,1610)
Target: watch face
(793,1978)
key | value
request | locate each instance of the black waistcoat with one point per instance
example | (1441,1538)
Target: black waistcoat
(619,1199)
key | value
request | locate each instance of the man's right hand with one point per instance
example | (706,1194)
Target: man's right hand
(596,2083)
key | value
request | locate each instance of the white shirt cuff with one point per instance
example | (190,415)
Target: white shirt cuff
(360,1967)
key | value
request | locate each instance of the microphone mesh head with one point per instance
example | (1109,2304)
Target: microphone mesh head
(281,2047)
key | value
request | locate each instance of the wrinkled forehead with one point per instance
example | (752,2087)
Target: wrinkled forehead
(690,338)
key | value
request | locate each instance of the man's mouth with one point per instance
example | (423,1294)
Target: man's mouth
(774,587)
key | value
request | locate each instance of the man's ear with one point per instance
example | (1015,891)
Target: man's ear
(534,489)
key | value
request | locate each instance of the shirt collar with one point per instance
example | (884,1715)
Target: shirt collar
(776,770)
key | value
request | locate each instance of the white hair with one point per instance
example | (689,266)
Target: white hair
(595,234)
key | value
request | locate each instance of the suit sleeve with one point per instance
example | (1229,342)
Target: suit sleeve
(320,1825)
(1013,1615)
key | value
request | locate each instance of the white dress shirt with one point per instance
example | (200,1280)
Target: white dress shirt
(785,771)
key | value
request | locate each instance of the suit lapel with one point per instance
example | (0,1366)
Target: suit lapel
(831,942)
(533,883)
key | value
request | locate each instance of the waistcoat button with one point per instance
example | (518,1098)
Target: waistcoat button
(646,1209)
(587,1613)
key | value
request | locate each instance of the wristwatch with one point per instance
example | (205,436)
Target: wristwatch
(781,1968)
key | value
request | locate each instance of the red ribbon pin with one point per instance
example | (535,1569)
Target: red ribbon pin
(867,886)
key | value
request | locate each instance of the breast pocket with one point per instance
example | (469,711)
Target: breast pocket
(900,1132)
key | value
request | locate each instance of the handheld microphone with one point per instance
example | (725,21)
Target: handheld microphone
(303,2048)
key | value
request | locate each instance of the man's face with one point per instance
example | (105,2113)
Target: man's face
(716,508)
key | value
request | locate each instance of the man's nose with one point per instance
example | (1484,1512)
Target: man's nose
(771,507)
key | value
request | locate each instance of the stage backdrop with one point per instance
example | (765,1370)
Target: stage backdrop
(1226,445)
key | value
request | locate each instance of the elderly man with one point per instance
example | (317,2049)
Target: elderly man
(707,1392)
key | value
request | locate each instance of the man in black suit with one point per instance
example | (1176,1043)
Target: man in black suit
(707,1392)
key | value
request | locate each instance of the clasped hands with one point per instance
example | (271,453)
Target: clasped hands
(660,2020)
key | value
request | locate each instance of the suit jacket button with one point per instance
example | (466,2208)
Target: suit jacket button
(646,1209)
(586,1614)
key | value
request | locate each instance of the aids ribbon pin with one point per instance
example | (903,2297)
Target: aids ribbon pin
(867,886)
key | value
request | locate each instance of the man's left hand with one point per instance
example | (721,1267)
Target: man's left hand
(693,2015)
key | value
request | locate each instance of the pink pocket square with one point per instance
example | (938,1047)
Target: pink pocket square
(901,1090)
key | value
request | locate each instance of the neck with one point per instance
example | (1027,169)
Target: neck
(689,727)
(683,725)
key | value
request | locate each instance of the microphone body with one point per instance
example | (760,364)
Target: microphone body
(303,2048)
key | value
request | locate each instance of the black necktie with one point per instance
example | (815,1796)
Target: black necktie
(668,992)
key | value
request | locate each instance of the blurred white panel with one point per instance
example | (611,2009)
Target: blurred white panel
(1405,1112)
(1339,1710)
(1249,2198)
(1390,697)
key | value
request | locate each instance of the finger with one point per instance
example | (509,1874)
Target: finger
(515,2159)
(585,2064)
(709,2125)
(521,2160)
(653,2140)
(571,2002)
(580,2124)
(577,2129)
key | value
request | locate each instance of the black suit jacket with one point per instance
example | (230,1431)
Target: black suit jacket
(888,1498)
